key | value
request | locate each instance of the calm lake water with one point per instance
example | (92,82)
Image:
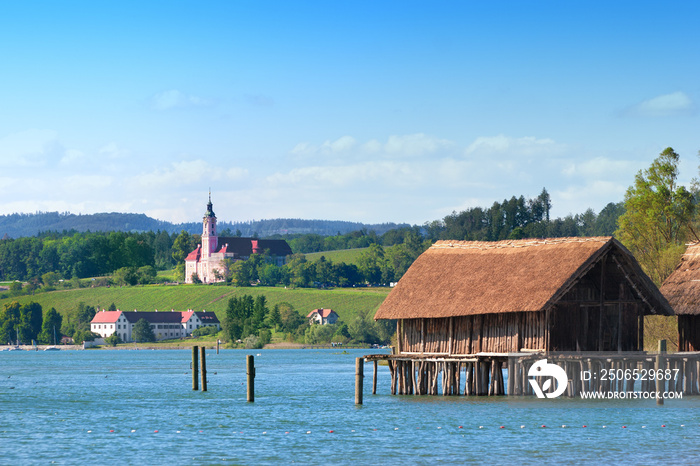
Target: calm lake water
(137,407)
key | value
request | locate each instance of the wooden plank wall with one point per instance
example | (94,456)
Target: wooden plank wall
(496,333)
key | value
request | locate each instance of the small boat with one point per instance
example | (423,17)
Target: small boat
(52,348)
(15,348)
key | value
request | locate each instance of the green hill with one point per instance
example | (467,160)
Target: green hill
(347,302)
(349,256)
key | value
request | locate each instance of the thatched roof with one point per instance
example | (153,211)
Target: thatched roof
(457,278)
(682,287)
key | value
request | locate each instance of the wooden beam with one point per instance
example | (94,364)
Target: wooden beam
(398,335)
(450,338)
(601,309)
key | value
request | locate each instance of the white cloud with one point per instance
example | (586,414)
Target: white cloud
(412,145)
(387,173)
(112,151)
(676,103)
(188,172)
(396,146)
(71,156)
(88,183)
(600,167)
(328,147)
(173,98)
(177,174)
(525,146)
(575,199)
(236,173)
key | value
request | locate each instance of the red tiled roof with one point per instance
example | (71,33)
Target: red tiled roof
(194,255)
(322,312)
(106,317)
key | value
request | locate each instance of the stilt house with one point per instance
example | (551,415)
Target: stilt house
(682,289)
(562,294)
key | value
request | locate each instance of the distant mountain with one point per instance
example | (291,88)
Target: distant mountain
(19,225)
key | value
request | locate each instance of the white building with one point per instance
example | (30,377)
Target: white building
(165,325)
(322,316)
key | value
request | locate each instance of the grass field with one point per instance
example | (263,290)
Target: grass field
(349,256)
(347,302)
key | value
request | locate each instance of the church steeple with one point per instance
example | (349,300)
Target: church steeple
(210,211)
(209,238)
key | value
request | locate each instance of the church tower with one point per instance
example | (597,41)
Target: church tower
(209,238)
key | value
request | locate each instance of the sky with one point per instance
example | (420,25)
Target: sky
(365,111)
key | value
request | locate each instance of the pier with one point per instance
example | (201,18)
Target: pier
(481,374)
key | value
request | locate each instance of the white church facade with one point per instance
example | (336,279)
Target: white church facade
(207,261)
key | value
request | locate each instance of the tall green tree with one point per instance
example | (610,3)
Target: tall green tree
(9,322)
(31,318)
(142,331)
(50,328)
(657,218)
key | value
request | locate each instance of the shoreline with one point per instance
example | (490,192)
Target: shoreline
(129,346)
(40,347)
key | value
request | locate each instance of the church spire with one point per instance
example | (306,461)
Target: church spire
(210,209)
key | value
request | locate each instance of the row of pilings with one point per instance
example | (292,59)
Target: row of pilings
(483,374)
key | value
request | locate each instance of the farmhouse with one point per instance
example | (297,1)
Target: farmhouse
(682,289)
(207,261)
(322,316)
(562,294)
(165,325)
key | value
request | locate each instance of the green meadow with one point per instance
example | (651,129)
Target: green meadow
(347,302)
(349,256)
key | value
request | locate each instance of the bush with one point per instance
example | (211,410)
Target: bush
(253,342)
(200,332)
(84,335)
(113,340)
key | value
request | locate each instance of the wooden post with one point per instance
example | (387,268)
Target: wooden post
(399,335)
(660,363)
(601,308)
(195,369)
(359,369)
(218,343)
(204,368)
(250,371)
(511,376)
(374,379)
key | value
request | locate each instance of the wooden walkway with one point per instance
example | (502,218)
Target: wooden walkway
(481,374)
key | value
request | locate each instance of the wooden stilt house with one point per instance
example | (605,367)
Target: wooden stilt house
(682,289)
(562,294)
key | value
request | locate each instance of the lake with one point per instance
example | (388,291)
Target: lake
(138,407)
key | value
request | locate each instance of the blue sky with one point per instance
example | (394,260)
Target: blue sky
(363,111)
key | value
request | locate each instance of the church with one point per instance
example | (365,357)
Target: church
(207,260)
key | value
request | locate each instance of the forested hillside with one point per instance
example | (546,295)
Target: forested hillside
(24,225)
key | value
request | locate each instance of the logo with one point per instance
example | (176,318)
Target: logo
(543,369)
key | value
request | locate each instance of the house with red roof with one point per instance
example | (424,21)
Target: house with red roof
(207,261)
(165,325)
(322,316)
